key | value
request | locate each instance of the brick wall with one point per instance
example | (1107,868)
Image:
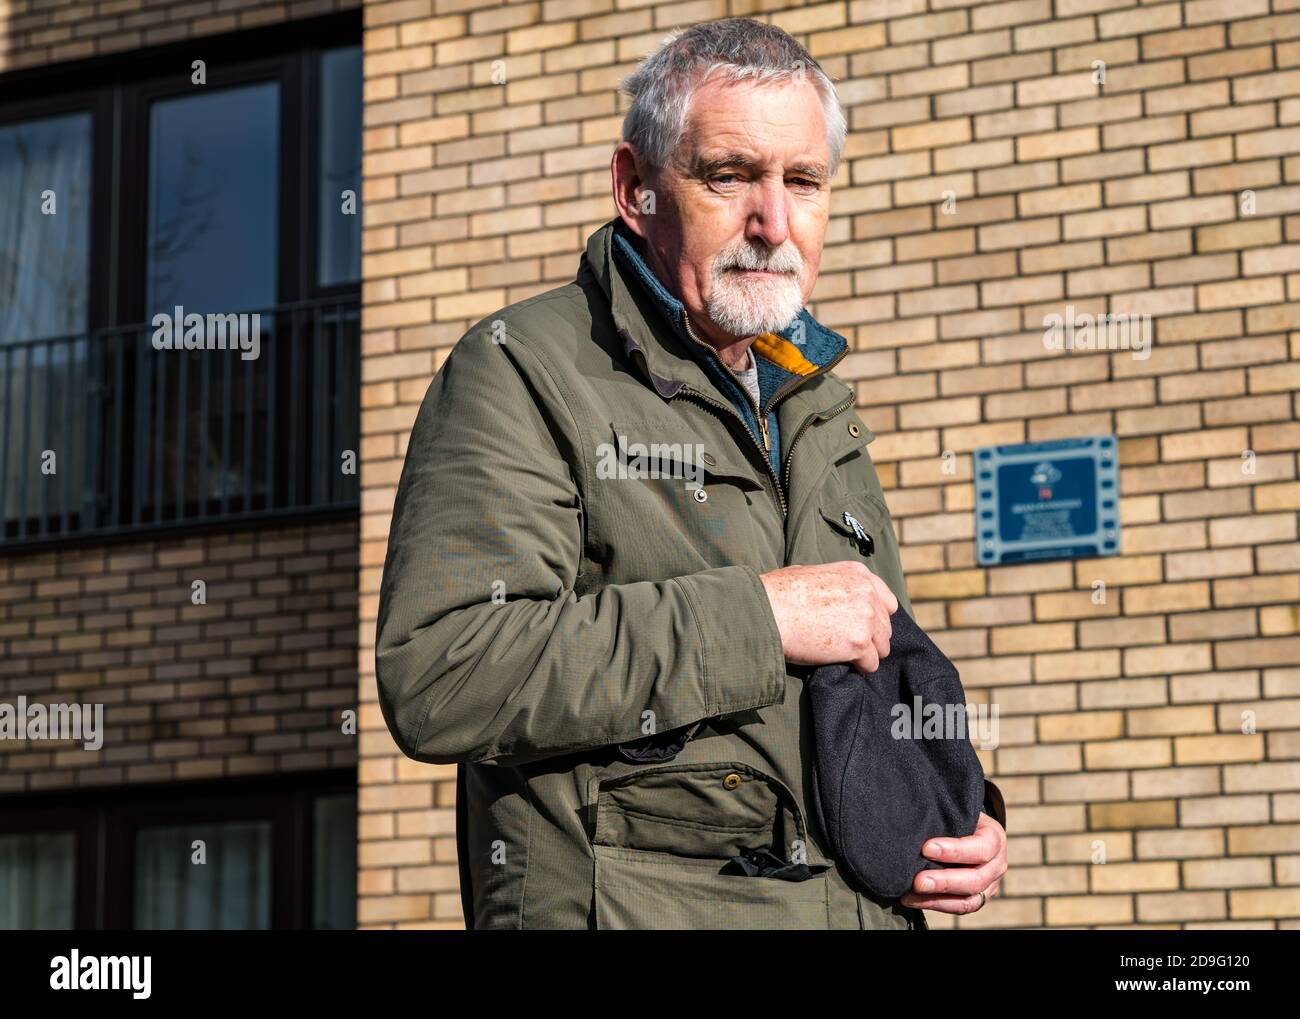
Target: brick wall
(39,32)
(1121,721)
(252,682)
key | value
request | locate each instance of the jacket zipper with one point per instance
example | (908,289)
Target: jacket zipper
(761,414)
(758,416)
(826,416)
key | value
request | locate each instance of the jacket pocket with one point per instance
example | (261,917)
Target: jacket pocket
(663,836)
(683,501)
(857,526)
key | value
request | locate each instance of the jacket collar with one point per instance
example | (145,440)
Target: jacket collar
(649,320)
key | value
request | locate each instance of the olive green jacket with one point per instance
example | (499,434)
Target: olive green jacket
(542,604)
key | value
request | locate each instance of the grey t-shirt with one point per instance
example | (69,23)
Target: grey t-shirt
(749,377)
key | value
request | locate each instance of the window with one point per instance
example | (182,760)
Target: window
(203,877)
(36,881)
(213,201)
(334,862)
(339,167)
(44,227)
(273,852)
(180,289)
(44,294)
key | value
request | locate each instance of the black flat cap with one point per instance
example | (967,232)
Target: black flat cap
(889,769)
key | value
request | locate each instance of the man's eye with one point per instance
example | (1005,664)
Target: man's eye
(725,178)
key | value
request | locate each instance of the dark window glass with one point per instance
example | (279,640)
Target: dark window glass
(44,227)
(339,220)
(44,250)
(229,890)
(334,862)
(36,881)
(213,186)
(213,208)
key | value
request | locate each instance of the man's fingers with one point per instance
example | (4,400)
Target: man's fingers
(956,880)
(973,850)
(886,595)
(869,662)
(944,903)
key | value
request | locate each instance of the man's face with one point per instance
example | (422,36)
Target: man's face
(740,213)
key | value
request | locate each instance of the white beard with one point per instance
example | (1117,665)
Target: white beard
(745,305)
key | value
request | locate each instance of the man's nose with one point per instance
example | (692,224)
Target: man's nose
(769,219)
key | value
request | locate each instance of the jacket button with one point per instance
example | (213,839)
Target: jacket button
(854,430)
(731,781)
(701,495)
(708,460)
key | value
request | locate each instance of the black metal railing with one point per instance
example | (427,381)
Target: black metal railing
(104,433)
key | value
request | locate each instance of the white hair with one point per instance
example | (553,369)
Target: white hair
(740,49)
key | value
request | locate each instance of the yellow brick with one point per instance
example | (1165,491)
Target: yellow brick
(1278,497)
(1272,838)
(1081,726)
(1198,718)
(541,37)
(1049,668)
(931,135)
(1134,877)
(1134,815)
(1056,144)
(1128,753)
(1218,749)
(1089,910)
(1180,906)
(1253,903)
(1145,661)
(1166,598)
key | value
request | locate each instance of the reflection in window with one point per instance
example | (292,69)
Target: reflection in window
(229,890)
(213,210)
(36,881)
(213,228)
(44,227)
(339,258)
(44,264)
(334,862)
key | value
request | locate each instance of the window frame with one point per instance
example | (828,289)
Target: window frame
(105,824)
(116,91)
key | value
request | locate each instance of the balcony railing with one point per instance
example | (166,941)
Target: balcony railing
(105,434)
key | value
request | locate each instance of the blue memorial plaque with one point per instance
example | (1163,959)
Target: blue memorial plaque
(1047,500)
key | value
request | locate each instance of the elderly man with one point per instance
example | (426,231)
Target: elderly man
(636,511)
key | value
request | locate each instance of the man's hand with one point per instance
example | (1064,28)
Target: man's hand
(957,889)
(837,612)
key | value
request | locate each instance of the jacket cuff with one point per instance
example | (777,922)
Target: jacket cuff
(740,644)
(994,805)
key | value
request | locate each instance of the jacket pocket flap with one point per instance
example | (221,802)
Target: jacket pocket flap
(709,810)
(849,434)
(859,516)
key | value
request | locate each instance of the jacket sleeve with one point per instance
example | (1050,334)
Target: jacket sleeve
(994,805)
(485,650)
